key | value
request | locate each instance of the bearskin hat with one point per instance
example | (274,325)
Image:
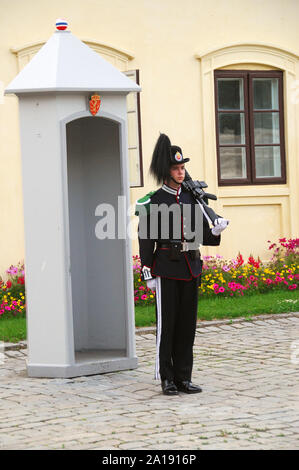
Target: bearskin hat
(165,155)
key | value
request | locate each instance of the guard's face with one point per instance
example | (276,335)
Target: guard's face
(178,172)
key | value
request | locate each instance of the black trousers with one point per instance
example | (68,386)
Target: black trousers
(176,315)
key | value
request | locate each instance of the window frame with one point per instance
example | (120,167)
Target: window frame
(136,74)
(248,76)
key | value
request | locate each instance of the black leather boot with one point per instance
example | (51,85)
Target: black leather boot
(168,387)
(187,387)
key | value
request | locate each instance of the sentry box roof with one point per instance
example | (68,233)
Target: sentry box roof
(66,64)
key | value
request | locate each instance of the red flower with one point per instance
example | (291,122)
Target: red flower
(253,262)
(21,280)
(240,260)
(8,284)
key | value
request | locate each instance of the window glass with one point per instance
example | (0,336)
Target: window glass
(233,162)
(267,162)
(231,128)
(230,93)
(265,93)
(266,128)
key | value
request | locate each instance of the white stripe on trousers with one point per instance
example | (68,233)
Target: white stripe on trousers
(159,325)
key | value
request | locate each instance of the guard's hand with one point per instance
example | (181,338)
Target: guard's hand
(220,225)
(151,284)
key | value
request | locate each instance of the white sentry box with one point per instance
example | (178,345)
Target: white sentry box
(79,288)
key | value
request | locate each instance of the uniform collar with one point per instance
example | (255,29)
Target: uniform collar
(170,190)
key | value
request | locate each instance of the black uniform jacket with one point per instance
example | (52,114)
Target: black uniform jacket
(157,258)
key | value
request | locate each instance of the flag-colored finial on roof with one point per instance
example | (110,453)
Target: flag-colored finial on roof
(61,24)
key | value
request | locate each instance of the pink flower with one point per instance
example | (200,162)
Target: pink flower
(216,286)
(293,286)
(221,289)
(12,270)
(144,297)
(226,268)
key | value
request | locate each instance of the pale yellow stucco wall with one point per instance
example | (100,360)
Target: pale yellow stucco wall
(176,45)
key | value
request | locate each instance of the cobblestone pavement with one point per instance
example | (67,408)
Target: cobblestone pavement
(250,399)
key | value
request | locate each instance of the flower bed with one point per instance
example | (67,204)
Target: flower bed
(12,292)
(237,277)
(219,277)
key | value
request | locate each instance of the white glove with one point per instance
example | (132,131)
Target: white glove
(151,284)
(220,225)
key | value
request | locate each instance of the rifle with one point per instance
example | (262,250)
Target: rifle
(196,189)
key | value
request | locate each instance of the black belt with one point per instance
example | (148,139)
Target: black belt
(179,246)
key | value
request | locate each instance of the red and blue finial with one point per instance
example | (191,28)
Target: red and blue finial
(61,25)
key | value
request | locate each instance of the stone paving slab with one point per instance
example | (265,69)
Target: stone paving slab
(250,399)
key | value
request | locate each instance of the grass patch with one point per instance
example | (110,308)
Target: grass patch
(145,316)
(214,308)
(13,329)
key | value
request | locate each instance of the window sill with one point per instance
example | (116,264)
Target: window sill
(253,191)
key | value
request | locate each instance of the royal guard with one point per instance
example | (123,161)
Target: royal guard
(171,263)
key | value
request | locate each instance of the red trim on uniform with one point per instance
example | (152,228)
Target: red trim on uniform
(190,266)
(184,253)
(178,278)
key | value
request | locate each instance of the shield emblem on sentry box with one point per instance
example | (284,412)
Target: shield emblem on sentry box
(94,104)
